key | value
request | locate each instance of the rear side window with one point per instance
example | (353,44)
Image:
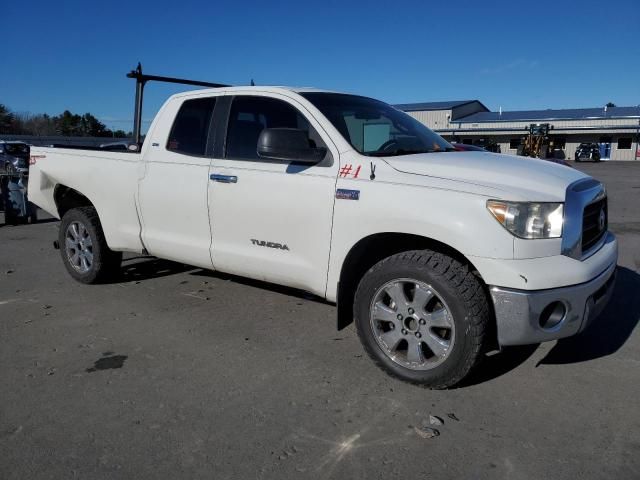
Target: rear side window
(191,127)
(250,115)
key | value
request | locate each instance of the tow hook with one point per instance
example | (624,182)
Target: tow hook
(56,244)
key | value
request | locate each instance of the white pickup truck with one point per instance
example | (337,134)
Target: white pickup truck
(436,255)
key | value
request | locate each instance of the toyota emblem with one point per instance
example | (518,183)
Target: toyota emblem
(602,219)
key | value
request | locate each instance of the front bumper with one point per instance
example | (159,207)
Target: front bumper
(518,312)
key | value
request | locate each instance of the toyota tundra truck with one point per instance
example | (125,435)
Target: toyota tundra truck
(437,256)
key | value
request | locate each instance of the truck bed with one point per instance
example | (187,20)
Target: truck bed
(109,180)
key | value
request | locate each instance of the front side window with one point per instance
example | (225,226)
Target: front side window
(249,115)
(190,129)
(374,128)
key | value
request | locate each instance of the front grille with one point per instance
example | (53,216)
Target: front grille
(593,226)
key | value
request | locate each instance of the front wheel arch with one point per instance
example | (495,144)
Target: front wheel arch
(370,250)
(431,344)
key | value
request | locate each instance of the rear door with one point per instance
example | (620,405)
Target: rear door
(173,190)
(271,220)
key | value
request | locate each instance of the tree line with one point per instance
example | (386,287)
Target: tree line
(66,124)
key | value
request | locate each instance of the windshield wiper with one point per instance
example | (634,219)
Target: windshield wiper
(397,152)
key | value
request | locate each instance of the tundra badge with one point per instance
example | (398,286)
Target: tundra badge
(263,243)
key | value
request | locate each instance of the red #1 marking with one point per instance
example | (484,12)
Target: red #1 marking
(346,171)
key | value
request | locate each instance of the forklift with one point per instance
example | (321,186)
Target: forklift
(538,143)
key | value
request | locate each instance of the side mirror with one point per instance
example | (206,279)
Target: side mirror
(288,144)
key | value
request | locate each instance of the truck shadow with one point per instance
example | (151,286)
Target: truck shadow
(605,336)
(609,331)
(496,364)
(141,267)
(145,268)
(272,287)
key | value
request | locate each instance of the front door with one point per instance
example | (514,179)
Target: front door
(271,220)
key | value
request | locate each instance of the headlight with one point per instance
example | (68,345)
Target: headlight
(529,220)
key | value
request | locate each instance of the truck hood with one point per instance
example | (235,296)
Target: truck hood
(504,176)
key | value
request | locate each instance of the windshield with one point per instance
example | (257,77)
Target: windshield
(374,128)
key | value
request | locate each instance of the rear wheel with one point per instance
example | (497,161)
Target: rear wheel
(421,316)
(84,250)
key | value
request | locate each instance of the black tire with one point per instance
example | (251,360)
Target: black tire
(465,297)
(106,263)
(10,218)
(33,213)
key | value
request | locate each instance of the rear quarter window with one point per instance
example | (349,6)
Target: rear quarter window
(190,131)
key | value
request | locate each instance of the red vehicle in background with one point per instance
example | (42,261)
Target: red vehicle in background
(464,147)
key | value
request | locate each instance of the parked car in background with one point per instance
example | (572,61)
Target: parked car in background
(588,152)
(464,147)
(14,156)
(14,178)
(479,145)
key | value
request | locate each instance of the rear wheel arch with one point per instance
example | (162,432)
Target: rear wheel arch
(84,249)
(67,198)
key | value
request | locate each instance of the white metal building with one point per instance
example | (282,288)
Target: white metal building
(469,121)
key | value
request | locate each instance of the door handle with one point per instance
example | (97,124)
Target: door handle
(223,178)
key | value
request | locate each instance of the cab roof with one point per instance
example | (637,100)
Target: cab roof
(257,88)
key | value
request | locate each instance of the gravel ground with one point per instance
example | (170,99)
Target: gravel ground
(177,372)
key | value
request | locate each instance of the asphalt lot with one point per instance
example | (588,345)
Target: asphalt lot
(176,372)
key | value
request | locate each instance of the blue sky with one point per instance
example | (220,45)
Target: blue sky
(560,54)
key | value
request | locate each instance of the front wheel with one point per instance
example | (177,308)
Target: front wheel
(84,250)
(422,316)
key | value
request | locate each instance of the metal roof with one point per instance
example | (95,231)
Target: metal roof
(564,114)
(413,107)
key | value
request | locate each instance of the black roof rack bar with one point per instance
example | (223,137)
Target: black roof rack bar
(141,80)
